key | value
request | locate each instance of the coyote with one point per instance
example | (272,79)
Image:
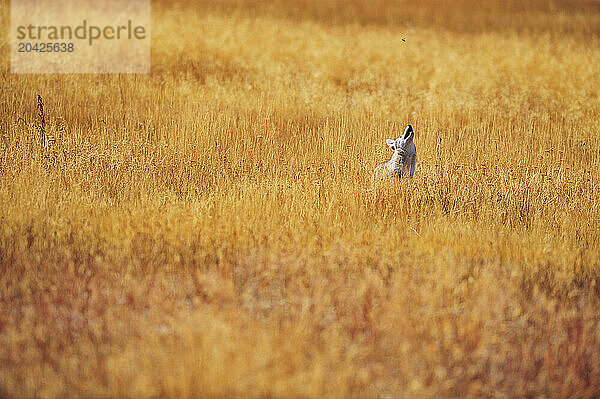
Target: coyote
(403,158)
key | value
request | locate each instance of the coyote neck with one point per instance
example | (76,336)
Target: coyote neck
(396,162)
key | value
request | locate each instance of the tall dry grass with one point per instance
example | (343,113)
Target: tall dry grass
(207,230)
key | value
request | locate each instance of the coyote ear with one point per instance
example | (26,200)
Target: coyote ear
(391,143)
(408,131)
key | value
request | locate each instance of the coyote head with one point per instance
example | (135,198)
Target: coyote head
(403,144)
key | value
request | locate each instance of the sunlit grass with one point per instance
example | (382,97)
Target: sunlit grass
(209,230)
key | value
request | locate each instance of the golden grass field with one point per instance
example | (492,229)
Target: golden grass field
(207,230)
